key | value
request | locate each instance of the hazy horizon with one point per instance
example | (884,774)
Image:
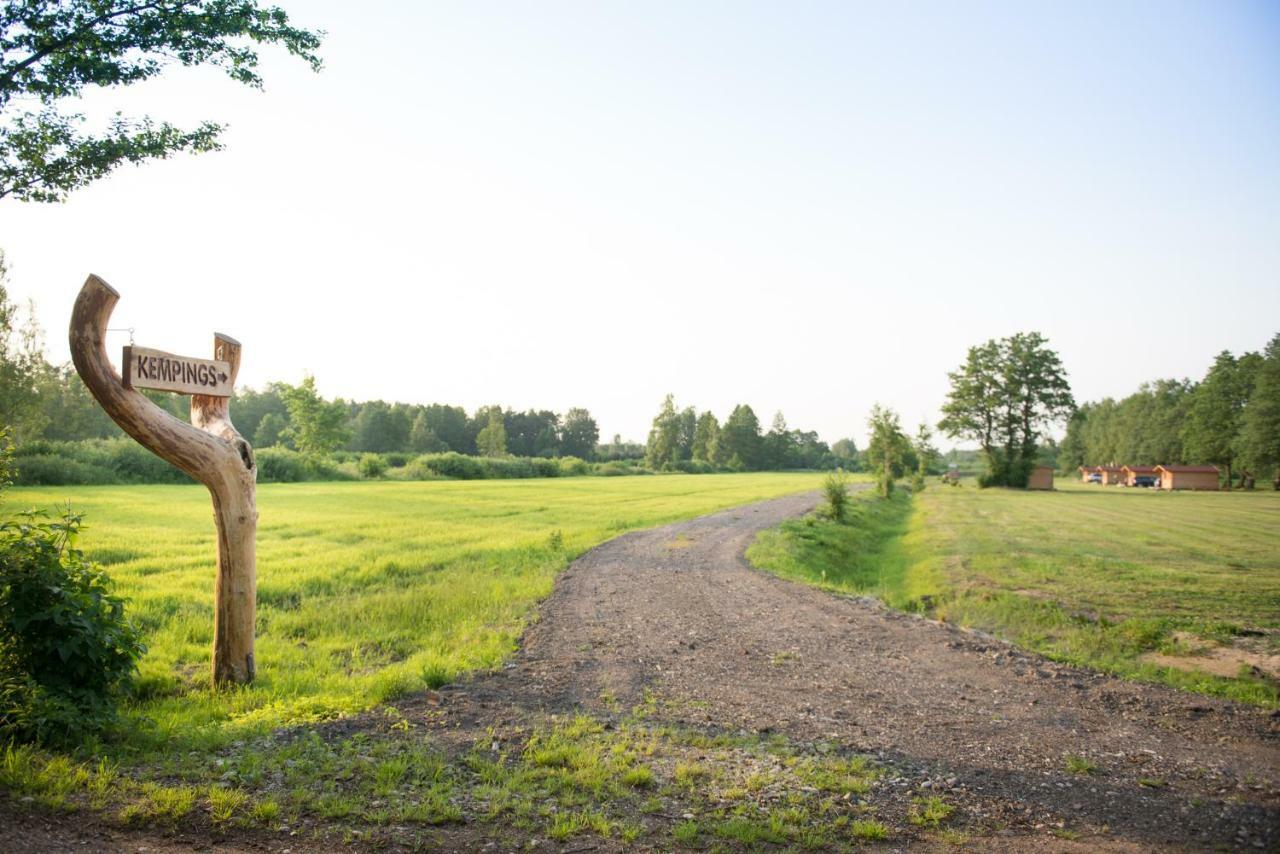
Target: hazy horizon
(808,209)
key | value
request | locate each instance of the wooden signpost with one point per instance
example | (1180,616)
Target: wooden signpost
(209,449)
(146,368)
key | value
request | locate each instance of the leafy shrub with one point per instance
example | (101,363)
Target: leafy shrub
(573,467)
(321,468)
(884,483)
(417,470)
(67,650)
(397,459)
(452,464)
(280,465)
(118,460)
(135,464)
(694,467)
(57,470)
(6,458)
(462,467)
(835,488)
(372,466)
(545,467)
(619,468)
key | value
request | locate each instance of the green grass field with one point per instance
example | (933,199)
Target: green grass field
(1182,588)
(366,591)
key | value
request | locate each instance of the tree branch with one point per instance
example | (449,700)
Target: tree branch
(8,75)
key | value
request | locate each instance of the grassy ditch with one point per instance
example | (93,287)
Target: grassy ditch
(1182,589)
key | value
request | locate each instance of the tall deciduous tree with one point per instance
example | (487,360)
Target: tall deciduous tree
(1211,431)
(925,452)
(846,454)
(1004,396)
(271,431)
(315,424)
(23,369)
(492,439)
(663,448)
(51,51)
(579,434)
(422,439)
(1260,430)
(706,435)
(687,430)
(741,445)
(887,448)
(450,424)
(780,444)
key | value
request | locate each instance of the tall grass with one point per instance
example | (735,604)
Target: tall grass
(365,590)
(1101,577)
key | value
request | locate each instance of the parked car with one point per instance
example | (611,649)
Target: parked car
(1148,480)
(1094,477)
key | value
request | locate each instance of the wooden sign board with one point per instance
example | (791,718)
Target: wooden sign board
(156,369)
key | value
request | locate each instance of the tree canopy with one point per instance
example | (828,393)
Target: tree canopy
(316,425)
(1004,397)
(492,439)
(51,51)
(1230,418)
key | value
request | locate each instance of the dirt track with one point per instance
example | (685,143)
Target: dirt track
(677,611)
(675,614)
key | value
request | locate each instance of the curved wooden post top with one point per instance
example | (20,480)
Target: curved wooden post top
(201,448)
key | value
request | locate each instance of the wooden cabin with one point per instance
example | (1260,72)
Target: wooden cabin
(1188,477)
(1041,478)
(1140,475)
(1090,474)
(1110,475)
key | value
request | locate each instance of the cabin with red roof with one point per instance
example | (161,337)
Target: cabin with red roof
(1188,477)
(1110,475)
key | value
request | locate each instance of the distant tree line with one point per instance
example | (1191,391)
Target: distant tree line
(63,436)
(297,417)
(688,440)
(1230,418)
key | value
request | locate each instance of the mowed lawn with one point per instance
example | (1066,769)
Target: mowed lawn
(1181,587)
(366,591)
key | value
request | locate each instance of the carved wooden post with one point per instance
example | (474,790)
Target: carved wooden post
(209,449)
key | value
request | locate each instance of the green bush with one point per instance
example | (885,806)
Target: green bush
(280,465)
(397,459)
(452,464)
(835,487)
(135,464)
(573,467)
(67,651)
(372,466)
(620,468)
(117,460)
(57,470)
(460,467)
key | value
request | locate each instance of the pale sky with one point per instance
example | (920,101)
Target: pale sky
(804,206)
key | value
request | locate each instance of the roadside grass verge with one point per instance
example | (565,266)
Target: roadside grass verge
(1180,588)
(626,779)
